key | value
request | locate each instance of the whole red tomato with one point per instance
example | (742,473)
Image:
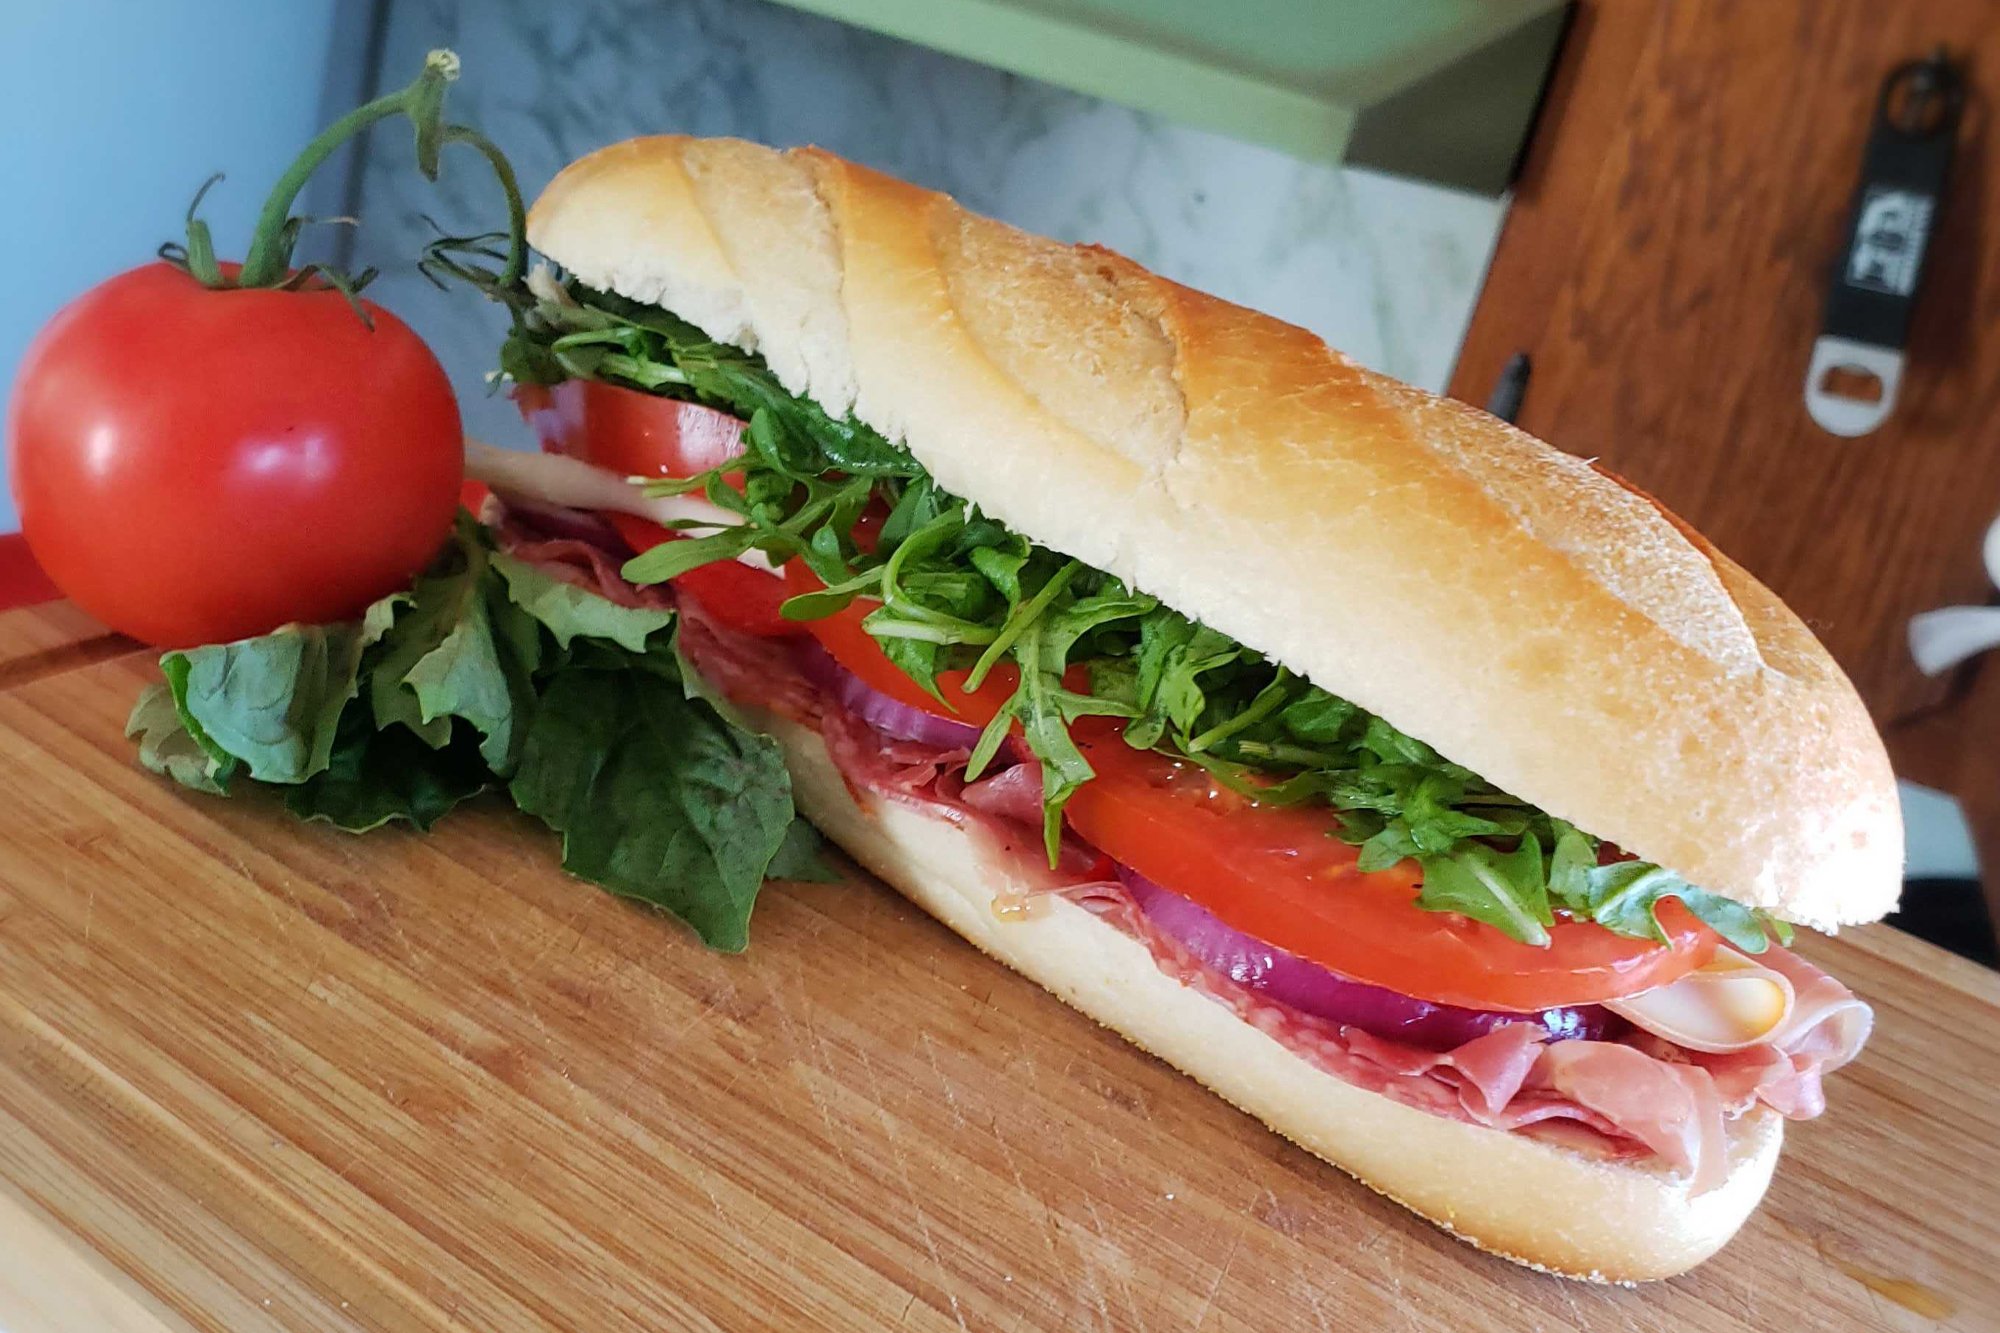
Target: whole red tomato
(197,465)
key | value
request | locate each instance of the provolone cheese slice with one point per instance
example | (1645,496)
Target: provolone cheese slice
(1731,1004)
(575,484)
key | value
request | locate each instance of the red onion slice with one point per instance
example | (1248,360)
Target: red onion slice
(877,709)
(1312,989)
(1246,960)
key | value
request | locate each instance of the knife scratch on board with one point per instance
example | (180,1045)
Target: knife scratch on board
(567,930)
(1575,1311)
(1091,1294)
(723,1215)
(901,1156)
(552,1050)
(697,1022)
(945,1084)
(1215,1287)
(804,1071)
(1318,1310)
(1111,1259)
(281,921)
(411,954)
(1028,1196)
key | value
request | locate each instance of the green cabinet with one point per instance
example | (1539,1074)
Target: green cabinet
(1439,89)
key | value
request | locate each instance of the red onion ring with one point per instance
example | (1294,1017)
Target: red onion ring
(1312,989)
(877,709)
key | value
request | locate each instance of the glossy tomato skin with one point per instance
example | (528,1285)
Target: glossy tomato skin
(850,644)
(735,595)
(635,434)
(626,431)
(1278,874)
(196,466)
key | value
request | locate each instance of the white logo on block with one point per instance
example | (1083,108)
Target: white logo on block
(1889,240)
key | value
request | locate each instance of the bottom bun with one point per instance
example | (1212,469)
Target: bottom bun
(1530,1201)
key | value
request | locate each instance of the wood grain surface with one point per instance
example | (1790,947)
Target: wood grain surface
(1665,263)
(53,636)
(259,1075)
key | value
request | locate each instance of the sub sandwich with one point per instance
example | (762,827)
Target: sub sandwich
(1438,798)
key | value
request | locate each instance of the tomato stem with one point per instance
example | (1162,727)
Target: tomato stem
(517,211)
(269,260)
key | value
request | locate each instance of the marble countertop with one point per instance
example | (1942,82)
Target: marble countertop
(1385,269)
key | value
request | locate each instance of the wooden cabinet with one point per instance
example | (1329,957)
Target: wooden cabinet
(1665,266)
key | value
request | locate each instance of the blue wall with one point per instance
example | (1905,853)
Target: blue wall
(111,114)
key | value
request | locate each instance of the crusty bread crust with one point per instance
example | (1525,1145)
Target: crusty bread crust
(1525,1200)
(1530,616)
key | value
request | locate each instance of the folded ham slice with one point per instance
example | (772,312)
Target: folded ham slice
(1013,793)
(575,547)
(1827,1028)
(1635,1096)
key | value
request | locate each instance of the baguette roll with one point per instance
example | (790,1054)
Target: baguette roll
(1531,617)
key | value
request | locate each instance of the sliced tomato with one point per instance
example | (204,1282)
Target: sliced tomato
(851,645)
(868,527)
(628,432)
(734,595)
(636,434)
(1274,872)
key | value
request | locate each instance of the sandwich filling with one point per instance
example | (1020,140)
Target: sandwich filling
(1582,1075)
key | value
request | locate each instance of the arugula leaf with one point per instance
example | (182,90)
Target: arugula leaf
(670,560)
(657,797)
(1173,654)
(922,501)
(1625,897)
(1389,842)
(1317,718)
(603,336)
(958,590)
(1571,862)
(1505,890)
(1046,706)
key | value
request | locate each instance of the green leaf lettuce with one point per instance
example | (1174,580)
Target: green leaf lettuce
(489,675)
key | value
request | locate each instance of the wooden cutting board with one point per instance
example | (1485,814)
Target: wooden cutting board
(257,1075)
